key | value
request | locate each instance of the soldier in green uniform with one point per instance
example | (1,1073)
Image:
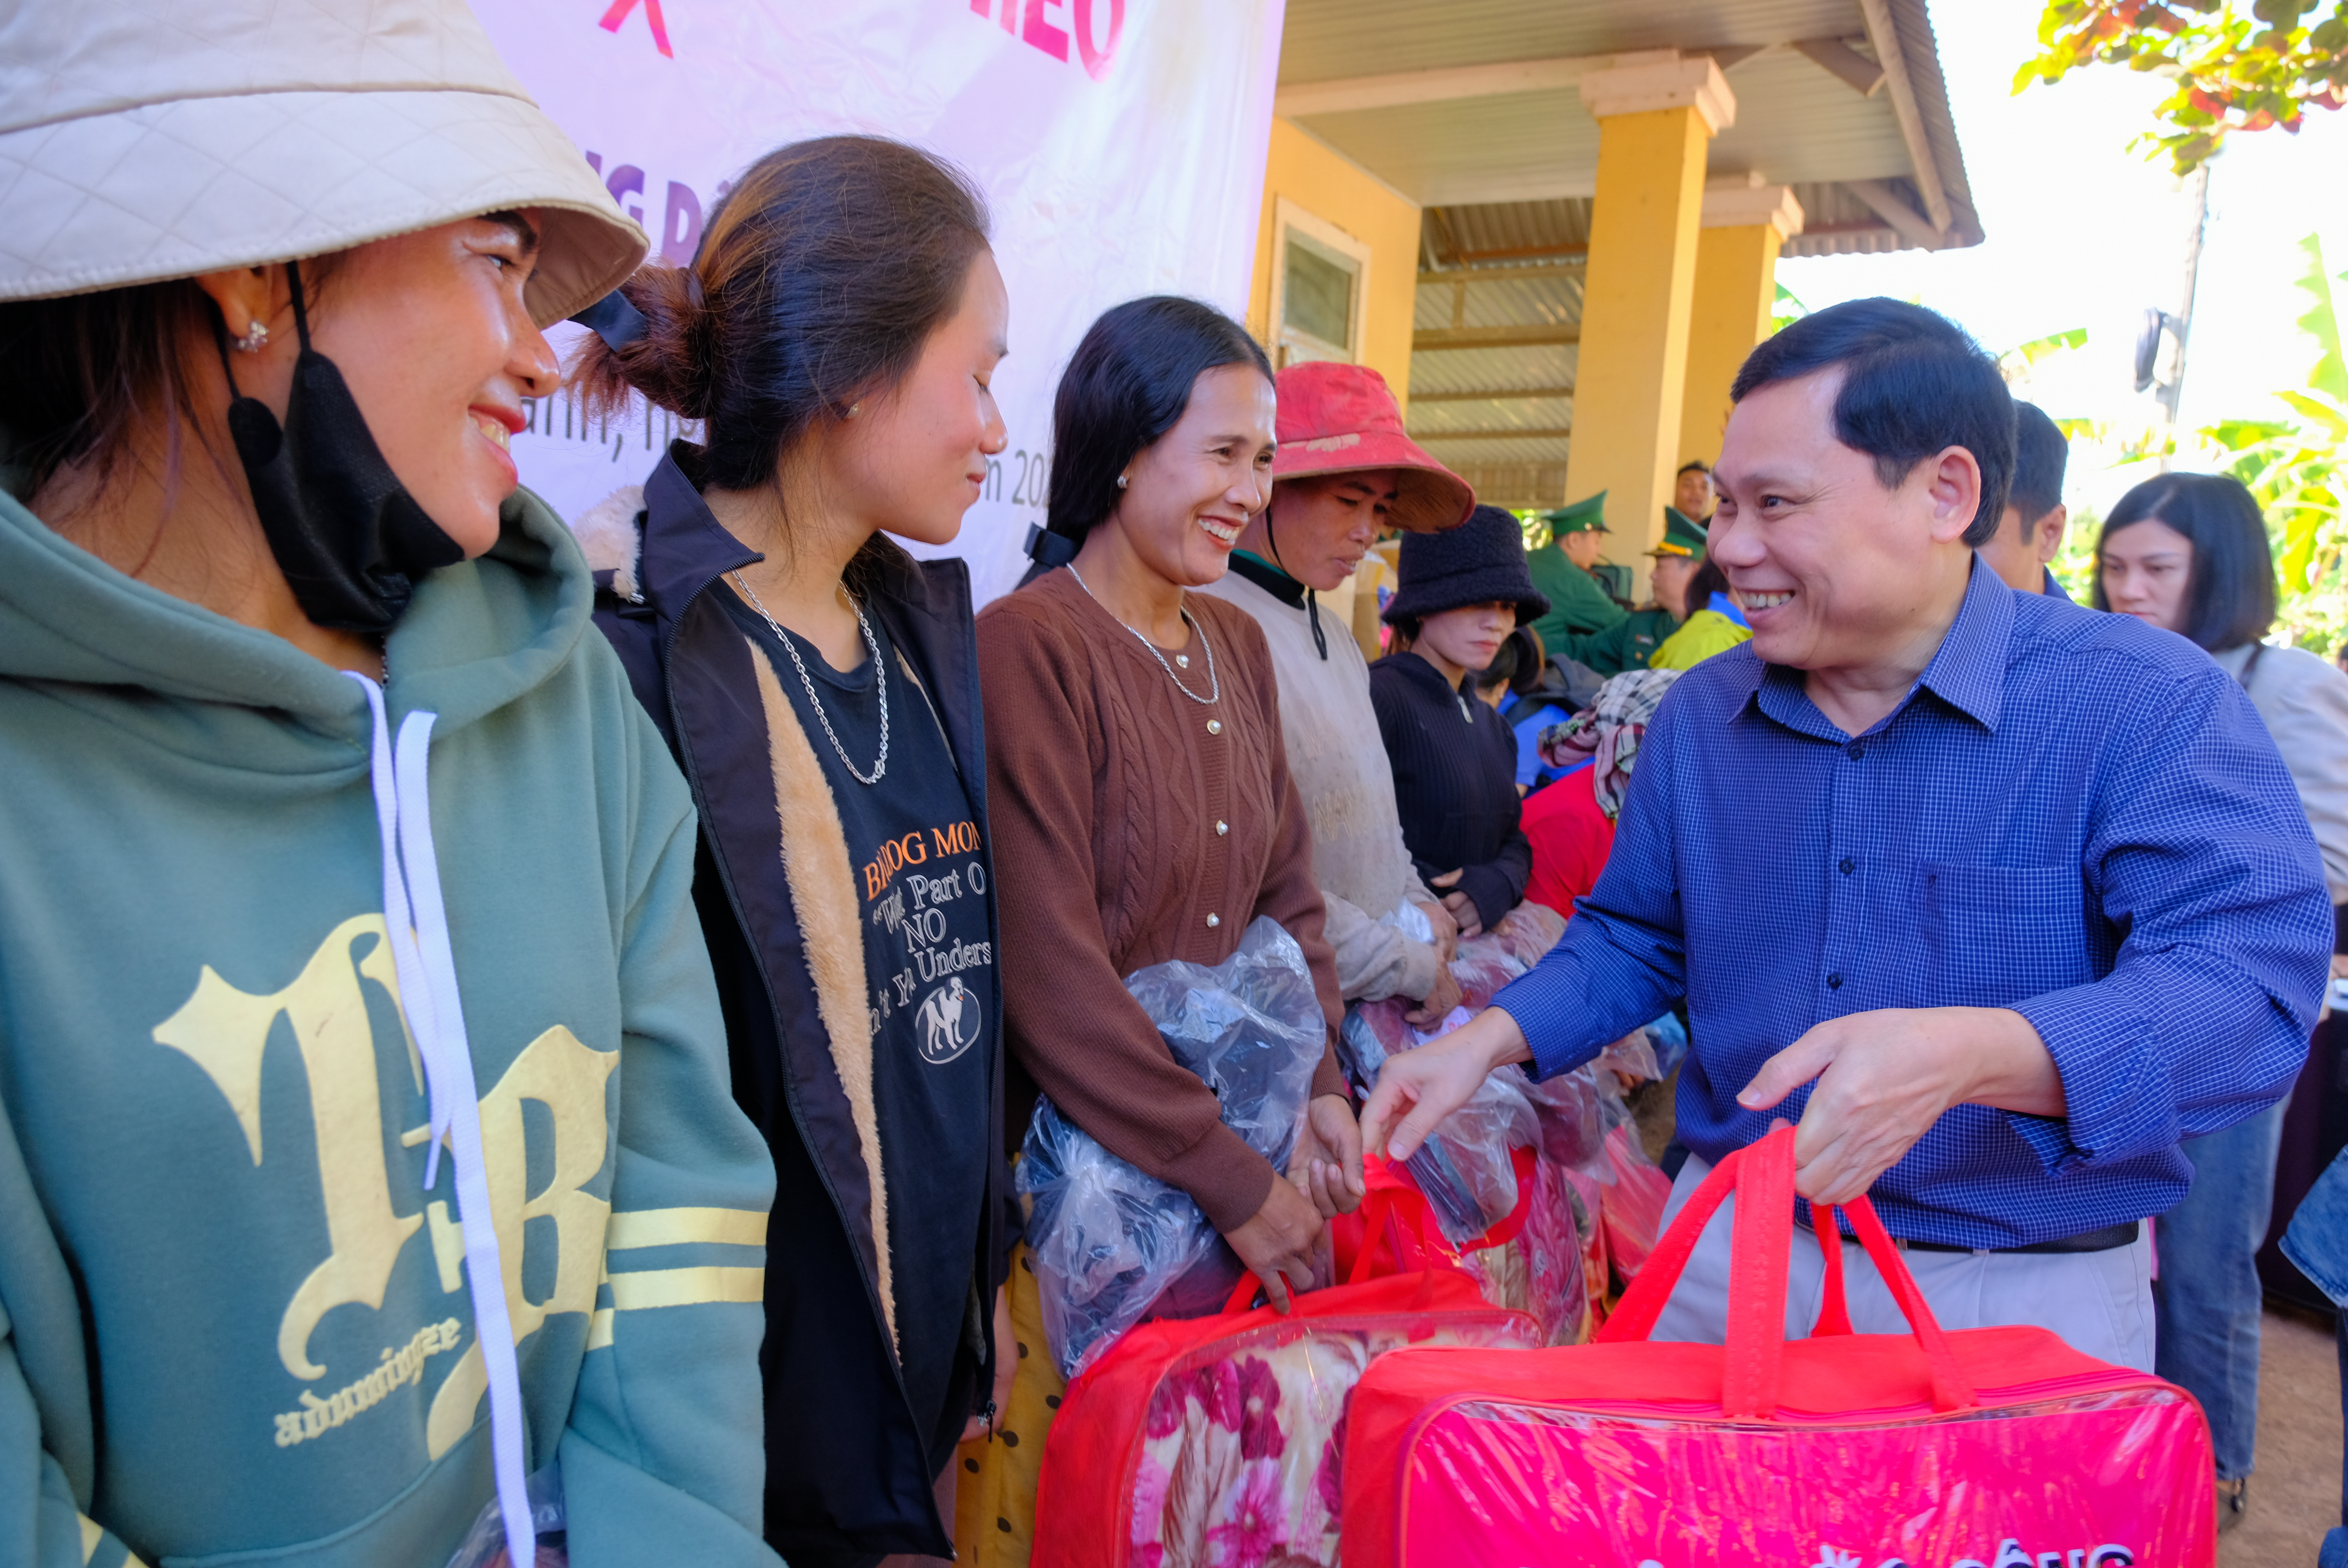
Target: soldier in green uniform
(1627,644)
(1579,604)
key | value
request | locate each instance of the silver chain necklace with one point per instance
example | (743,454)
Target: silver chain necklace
(879,678)
(1215,684)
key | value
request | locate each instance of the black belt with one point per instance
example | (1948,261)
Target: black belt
(2104,1240)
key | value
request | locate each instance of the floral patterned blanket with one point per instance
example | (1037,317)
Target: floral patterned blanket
(1242,1448)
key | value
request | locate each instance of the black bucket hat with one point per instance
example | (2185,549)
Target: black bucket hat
(1481,561)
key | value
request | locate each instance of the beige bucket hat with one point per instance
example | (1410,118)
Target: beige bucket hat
(147,139)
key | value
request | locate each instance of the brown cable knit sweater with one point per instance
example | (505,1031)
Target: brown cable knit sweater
(1122,828)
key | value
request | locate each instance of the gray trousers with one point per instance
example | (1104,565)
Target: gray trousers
(2099,1302)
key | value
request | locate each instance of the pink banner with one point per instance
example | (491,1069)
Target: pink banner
(1120,144)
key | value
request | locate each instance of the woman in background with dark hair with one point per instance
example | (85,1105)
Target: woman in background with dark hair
(1143,808)
(2188,553)
(836,333)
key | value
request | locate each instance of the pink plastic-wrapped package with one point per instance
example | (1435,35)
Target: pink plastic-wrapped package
(1588,1195)
(1218,1442)
(1988,1448)
(1539,1270)
(1243,1454)
(1634,1205)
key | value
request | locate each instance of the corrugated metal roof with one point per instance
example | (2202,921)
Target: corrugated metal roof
(1490,298)
(1326,39)
(1797,122)
(1466,370)
(1506,180)
(1923,51)
(1840,224)
(1519,486)
(1493,231)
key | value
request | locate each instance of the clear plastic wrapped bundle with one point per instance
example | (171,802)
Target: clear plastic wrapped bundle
(1526,933)
(1463,1169)
(1113,1246)
(1572,1128)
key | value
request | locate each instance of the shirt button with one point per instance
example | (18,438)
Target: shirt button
(1213,920)
(1857,749)
(1214,726)
(1221,828)
(1834,981)
(1848,866)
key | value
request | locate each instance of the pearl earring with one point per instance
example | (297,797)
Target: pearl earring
(255,338)
(1120,481)
(854,409)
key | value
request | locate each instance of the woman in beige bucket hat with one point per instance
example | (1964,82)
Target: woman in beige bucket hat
(307,1032)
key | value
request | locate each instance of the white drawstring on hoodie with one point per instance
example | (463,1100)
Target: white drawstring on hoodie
(418,920)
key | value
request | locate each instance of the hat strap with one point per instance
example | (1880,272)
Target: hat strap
(300,310)
(1311,604)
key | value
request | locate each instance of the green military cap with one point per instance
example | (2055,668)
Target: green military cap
(1582,517)
(1683,536)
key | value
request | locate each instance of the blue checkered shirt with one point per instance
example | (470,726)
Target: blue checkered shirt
(2071,814)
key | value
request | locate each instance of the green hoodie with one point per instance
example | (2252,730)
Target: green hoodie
(232,1324)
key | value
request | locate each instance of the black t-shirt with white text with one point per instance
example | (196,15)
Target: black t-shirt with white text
(929,961)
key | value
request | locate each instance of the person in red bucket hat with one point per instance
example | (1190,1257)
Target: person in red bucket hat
(1345,470)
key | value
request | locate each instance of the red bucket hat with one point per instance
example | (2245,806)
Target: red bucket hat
(1340,418)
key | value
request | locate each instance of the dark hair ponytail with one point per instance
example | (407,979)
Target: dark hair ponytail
(1126,386)
(819,278)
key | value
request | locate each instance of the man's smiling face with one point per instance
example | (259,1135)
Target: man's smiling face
(1832,567)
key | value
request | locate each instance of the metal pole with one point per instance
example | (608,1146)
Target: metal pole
(2173,389)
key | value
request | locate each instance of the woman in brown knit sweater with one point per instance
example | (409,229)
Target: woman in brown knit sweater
(1142,809)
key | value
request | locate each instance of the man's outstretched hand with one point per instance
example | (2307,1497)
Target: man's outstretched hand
(1884,1078)
(1418,1088)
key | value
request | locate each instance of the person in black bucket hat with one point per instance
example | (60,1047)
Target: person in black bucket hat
(1481,561)
(1462,593)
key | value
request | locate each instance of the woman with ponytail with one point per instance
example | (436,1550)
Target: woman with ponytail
(835,336)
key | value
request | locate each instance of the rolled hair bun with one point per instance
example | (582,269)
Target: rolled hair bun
(819,278)
(668,365)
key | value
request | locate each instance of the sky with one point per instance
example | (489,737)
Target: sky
(2084,232)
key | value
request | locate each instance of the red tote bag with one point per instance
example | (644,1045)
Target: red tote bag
(1529,1260)
(1213,1441)
(1989,1447)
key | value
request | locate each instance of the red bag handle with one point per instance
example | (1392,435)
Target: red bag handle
(1763,1176)
(1393,1195)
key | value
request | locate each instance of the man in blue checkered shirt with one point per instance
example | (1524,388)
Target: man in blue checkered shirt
(1999,897)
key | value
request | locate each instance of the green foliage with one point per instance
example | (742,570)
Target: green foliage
(2023,358)
(2236,65)
(2299,472)
(2296,467)
(2073,565)
(1786,311)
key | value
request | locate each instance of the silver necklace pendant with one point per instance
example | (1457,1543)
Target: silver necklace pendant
(880,677)
(1215,684)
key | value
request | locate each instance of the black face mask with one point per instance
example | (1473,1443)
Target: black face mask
(351,540)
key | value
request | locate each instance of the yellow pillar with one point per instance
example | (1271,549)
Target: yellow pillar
(1655,124)
(1744,223)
